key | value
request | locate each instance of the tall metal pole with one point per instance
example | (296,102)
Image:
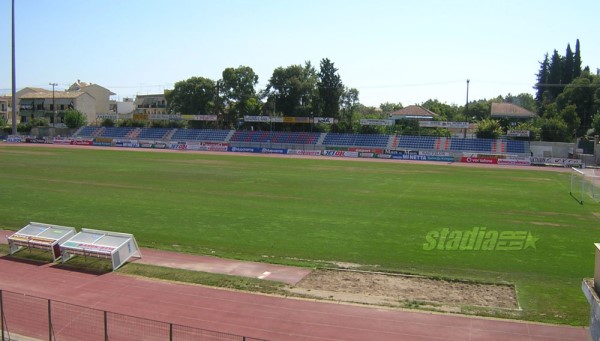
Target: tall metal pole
(467,105)
(467,109)
(53,105)
(14,78)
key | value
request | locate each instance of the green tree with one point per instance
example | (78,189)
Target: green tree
(239,93)
(581,93)
(348,114)
(577,61)
(447,112)
(554,129)
(389,107)
(569,115)
(293,89)
(542,82)
(407,127)
(596,124)
(330,90)
(567,70)
(523,100)
(534,130)
(133,123)
(107,122)
(478,110)
(488,129)
(194,96)
(554,76)
(74,119)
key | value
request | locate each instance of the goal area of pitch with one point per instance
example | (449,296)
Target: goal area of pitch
(585,185)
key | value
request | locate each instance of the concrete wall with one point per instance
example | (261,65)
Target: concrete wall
(87,105)
(102,97)
(552,149)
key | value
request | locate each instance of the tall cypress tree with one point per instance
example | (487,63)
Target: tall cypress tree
(567,70)
(542,81)
(555,75)
(330,89)
(577,61)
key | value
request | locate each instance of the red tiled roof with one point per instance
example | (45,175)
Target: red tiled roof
(510,110)
(413,111)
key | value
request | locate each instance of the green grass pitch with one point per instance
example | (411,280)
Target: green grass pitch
(302,210)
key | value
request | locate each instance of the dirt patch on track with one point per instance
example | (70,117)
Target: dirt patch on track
(401,290)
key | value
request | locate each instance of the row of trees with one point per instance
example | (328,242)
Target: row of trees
(295,90)
(567,96)
(567,100)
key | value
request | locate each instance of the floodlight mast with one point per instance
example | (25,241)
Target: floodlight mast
(14,79)
(53,105)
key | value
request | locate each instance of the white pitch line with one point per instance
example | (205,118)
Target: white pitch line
(264,275)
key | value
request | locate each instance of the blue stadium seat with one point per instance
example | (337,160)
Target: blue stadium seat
(87,131)
(517,147)
(214,135)
(472,145)
(417,142)
(275,137)
(116,132)
(153,133)
(356,140)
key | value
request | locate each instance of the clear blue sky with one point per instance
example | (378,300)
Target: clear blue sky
(391,51)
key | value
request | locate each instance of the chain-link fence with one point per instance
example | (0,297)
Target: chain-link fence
(24,317)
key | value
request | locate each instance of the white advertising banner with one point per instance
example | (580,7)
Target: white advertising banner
(444,124)
(376,122)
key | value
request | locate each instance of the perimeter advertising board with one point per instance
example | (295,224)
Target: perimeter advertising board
(477,159)
(304,152)
(340,153)
(273,151)
(366,150)
(14,139)
(515,162)
(243,149)
(82,142)
(376,122)
(444,124)
(555,161)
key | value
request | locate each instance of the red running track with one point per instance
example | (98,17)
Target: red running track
(260,316)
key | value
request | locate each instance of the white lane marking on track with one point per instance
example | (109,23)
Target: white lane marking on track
(264,275)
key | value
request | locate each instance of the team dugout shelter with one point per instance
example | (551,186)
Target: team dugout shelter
(118,247)
(41,236)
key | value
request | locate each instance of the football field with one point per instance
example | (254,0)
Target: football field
(491,225)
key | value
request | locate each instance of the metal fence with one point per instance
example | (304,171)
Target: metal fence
(24,317)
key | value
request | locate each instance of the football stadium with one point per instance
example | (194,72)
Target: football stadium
(379,221)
